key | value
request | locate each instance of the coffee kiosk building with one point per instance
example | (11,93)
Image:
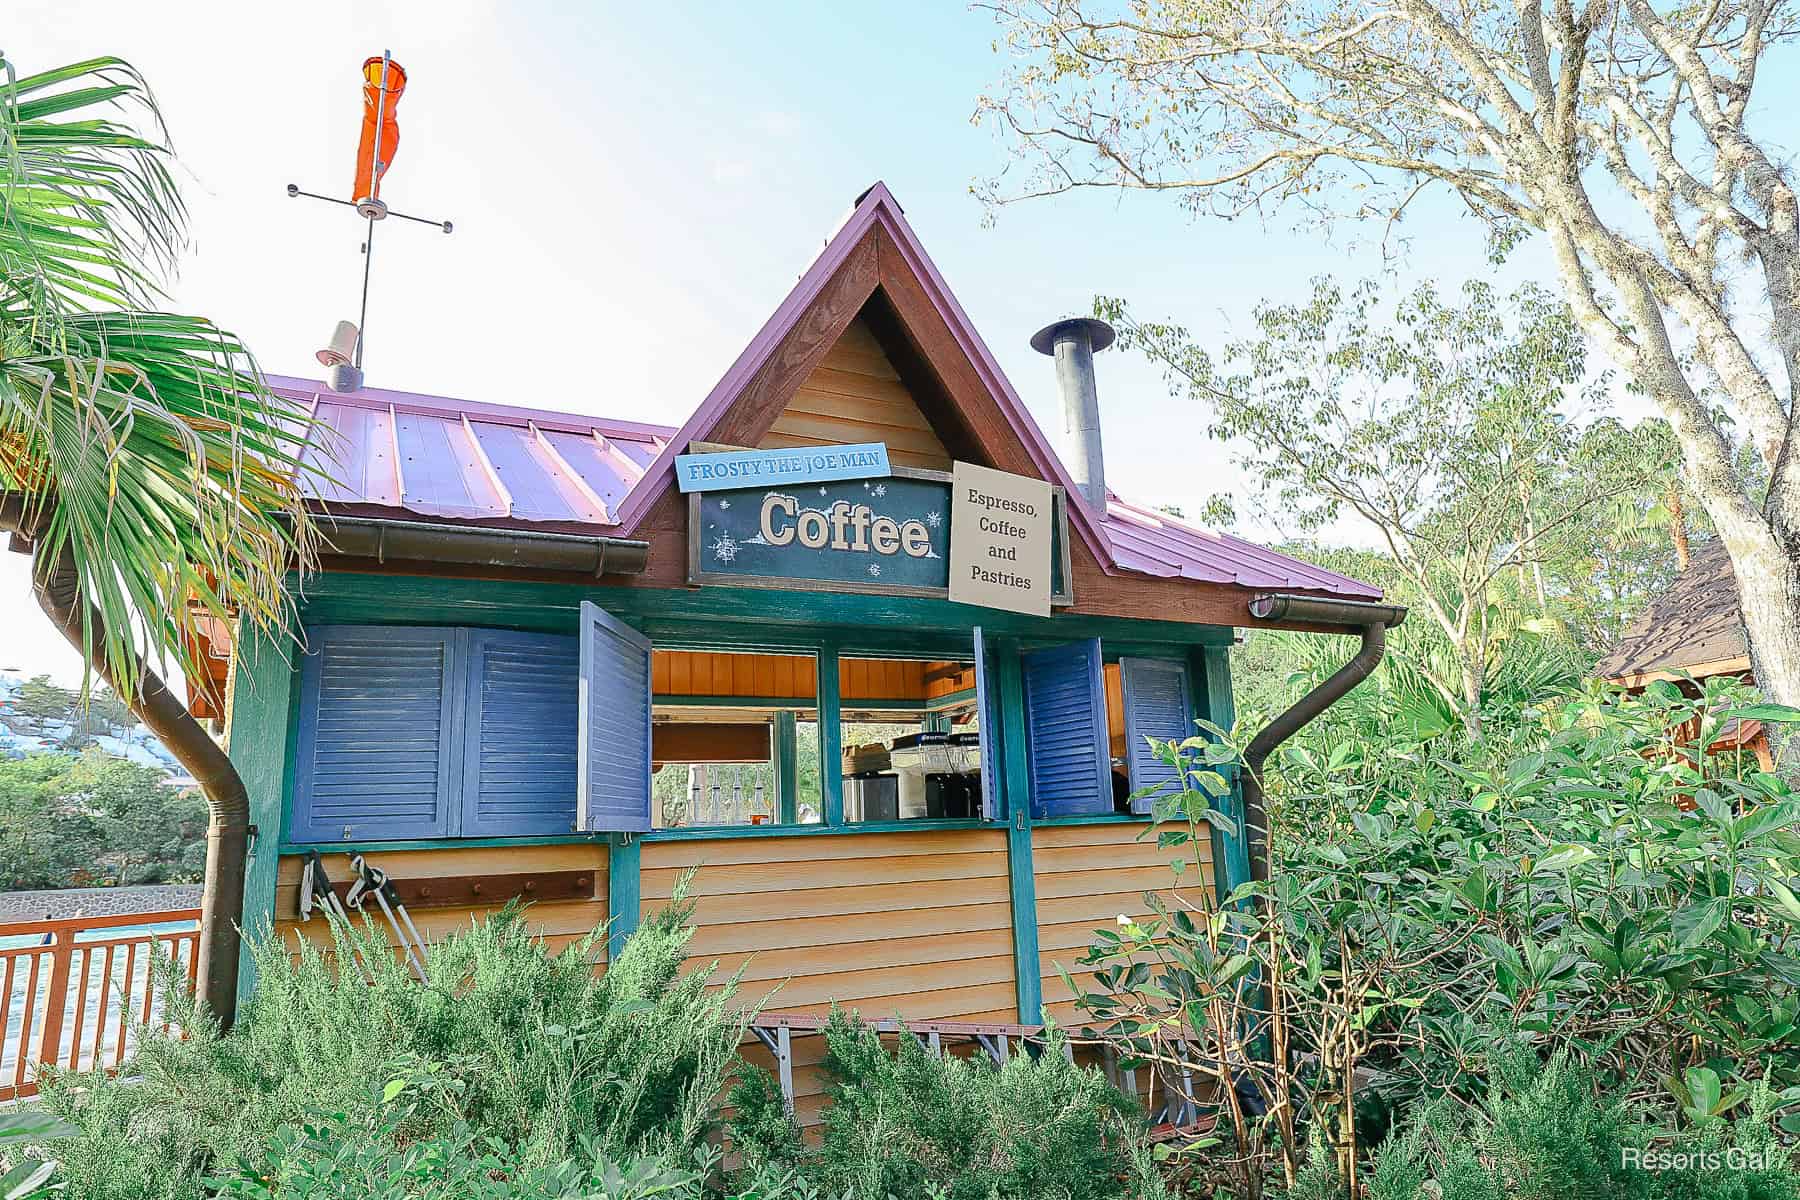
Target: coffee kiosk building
(532,665)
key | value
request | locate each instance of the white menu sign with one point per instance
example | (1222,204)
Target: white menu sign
(1000,540)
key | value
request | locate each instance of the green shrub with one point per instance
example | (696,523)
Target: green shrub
(1551,1132)
(506,1040)
(908,1123)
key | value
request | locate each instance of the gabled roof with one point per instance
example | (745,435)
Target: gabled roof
(875,209)
(500,466)
(1693,628)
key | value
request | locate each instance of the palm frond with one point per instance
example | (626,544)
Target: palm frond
(145,445)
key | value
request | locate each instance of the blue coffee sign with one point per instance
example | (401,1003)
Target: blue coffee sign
(730,469)
(887,535)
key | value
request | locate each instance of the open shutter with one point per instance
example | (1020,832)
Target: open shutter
(1065,719)
(1157,705)
(613,725)
(519,755)
(989,726)
(377,735)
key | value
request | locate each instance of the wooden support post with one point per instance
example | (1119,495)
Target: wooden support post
(1015,775)
(787,767)
(262,695)
(784,1065)
(623,881)
(831,737)
(56,1001)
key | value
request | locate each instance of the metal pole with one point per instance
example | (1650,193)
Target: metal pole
(362,316)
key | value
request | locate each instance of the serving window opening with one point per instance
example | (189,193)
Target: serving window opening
(734,739)
(911,738)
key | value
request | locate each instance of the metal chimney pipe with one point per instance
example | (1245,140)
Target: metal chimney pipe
(1073,344)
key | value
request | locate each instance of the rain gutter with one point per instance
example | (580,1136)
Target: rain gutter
(1372,621)
(424,542)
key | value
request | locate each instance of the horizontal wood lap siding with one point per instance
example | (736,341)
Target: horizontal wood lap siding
(855,395)
(914,924)
(1087,875)
(910,924)
(559,922)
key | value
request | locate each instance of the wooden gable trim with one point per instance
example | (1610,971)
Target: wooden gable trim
(799,352)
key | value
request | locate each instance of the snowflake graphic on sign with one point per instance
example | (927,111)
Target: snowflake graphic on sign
(934,519)
(874,568)
(881,489)
(724,504)
(725,548)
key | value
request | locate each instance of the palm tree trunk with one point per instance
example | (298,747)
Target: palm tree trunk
(57,587)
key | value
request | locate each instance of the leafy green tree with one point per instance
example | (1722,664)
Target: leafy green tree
(42,701)
(1627,134)
(1438,423)
(68,821)
(142,458)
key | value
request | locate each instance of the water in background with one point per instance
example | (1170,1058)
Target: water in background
(120,989)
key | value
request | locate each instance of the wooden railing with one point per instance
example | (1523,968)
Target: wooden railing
(73,995)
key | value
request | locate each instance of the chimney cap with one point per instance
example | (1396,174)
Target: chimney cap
(1100,334)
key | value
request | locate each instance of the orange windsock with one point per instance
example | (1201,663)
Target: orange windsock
(378,115)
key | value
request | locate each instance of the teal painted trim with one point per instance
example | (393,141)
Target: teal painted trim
(776,619)
(721,832)
(1211,666)
(1021,873)
(1009,679)
(264,696)
(624,883)
(543,839)
(831,737)
(787,767)
(1095,819)
(802,702)
(694,834)
(951,699)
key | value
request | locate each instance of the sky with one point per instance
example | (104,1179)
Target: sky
(634,189)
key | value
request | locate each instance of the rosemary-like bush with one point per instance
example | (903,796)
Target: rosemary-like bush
(508,1039)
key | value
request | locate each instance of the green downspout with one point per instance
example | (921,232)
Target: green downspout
(1021,871)
(262,695)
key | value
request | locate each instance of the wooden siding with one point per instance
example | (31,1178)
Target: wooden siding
(855,395)
(916,925)
(705,673)
(1086,876)
(559,922)
(716,674)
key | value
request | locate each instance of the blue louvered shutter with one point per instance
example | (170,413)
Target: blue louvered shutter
(377,734)
(988,719)
(1065,721)
(1157,705)
(613,725)
(519,772)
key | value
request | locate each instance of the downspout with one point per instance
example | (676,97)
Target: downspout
(1373,621)
(164,714)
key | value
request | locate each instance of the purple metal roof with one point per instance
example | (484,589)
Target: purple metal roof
(460,460)
(1154,543)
